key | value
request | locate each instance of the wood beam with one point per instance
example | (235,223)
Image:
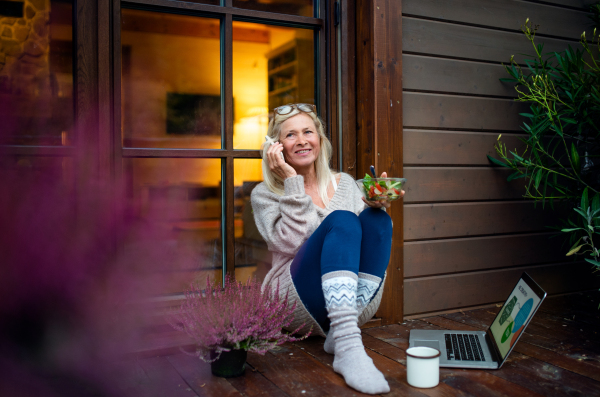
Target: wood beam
(379,125)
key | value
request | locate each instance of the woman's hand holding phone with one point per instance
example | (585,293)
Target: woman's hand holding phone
(277,162)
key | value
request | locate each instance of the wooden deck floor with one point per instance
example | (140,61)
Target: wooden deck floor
(558,355)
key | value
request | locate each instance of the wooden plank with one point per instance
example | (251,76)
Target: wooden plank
(379,115)
(424,258)
(510,14)
(435,293)
(585,364)
(574,359)
(545,379)
(581,307)
(127,378)
(424,147)
(480,383)
(254,384)
(432,221)
(164,381)
(196,376)
(432,184)
(423,110)
(348,87)
(426,73)
(421,36)
(581,4)
(321,377)
(295,378)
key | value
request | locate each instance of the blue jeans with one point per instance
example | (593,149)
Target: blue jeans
(343,241)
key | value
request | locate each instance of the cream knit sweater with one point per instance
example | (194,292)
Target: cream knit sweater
(286,222)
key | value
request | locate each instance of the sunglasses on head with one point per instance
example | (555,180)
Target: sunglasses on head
(303,107)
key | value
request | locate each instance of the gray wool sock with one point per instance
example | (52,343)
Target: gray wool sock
(351,360)
(366,287)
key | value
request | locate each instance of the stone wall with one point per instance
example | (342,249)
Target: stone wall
(24,51)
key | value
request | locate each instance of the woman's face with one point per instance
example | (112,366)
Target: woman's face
(300,140)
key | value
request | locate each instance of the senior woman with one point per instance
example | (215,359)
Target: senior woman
(330,247)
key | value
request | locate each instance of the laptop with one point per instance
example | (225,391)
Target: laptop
(489,349)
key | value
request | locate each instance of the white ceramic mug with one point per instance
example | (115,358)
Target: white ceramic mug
(423,366)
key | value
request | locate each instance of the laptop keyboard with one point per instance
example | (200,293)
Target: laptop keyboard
(464,347)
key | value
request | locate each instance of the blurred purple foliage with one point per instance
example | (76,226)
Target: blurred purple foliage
(70,295)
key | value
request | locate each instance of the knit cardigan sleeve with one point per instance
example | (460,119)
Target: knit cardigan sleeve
(287,221)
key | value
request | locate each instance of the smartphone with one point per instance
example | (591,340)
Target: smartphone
(272,142)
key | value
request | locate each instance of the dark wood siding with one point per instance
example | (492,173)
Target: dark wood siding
(468,233)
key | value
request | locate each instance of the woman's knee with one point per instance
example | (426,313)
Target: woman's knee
(376,222)
(344,221)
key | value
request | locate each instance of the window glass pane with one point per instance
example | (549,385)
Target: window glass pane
(36,73)
(171,81)
(175,222)
(295,7)
(252,258)
(267,74)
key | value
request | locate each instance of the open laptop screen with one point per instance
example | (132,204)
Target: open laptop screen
(514,316)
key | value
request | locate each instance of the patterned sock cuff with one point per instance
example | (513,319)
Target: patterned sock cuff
(366,287)
(339,291)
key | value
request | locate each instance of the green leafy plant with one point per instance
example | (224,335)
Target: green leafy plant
(560,163)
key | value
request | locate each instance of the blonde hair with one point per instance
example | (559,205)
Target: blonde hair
(273,181)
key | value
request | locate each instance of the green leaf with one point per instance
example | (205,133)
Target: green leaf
(575,160)
(538,178)
(516,156)
(593,262)
(580,212)
(528,115)
(584,200)
(574,250)
(496,161)
(570,230)
(515,175)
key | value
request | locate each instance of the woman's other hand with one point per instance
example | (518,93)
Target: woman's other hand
(276,162)
(381,203)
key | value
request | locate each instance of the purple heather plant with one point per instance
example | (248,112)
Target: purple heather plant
(236,316)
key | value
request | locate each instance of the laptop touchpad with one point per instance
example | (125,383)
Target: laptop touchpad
(428,343)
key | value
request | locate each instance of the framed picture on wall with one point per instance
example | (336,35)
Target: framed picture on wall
(193,114)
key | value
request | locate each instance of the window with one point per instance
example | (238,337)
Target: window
(197,85)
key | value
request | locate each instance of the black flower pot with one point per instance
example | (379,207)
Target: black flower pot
(230,364)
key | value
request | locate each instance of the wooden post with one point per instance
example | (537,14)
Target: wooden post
(379,122)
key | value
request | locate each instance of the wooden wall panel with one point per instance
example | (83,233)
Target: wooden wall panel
(455,76)
(447,220)
(581,4)
(468,232)
(438,293)
(507,14)
(461,112)
(428,258)
(454,147)
(467,42)
(460,184)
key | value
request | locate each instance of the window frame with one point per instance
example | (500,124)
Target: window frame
(226,14)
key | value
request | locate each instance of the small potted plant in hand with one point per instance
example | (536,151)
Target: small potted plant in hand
(227,322)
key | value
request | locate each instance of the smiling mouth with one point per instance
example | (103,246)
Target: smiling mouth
(303,151)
